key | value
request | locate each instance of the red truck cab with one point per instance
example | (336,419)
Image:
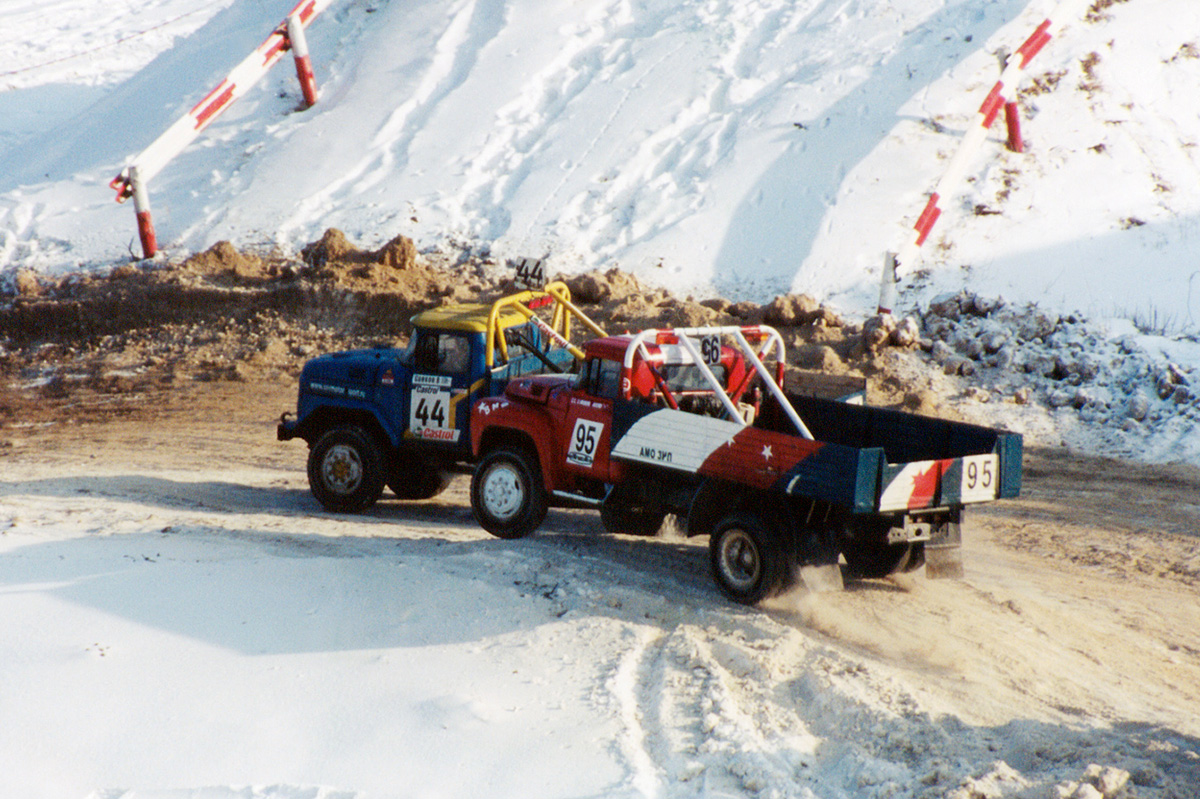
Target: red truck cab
(555,433)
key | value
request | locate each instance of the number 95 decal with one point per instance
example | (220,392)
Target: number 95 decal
(980,477)
(584,440)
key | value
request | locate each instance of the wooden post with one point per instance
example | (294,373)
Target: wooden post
(887,284)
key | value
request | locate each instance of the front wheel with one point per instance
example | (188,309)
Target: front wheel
(507,496)
(345,470)
(748,561)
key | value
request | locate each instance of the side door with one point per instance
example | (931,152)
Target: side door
(589,420)
(439,393)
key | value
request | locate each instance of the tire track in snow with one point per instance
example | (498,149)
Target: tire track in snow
(473,24)
(697,718)
(644,775)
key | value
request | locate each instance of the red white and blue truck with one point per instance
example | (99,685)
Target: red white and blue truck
(696,422)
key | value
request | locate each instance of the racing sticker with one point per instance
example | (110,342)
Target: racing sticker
(980,478)
(584,440)
(429,413)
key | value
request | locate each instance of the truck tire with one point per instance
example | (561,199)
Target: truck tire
(507,495)
(345,470)
(417,478)
(749,563)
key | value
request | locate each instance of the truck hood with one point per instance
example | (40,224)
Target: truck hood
(351,366)
(537,388)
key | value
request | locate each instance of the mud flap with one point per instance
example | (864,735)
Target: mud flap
(819,571)
(821,578)
(943,552)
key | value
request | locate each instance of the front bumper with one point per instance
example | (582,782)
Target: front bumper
(287,427)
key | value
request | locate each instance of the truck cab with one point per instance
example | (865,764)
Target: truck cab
(400,416)
(559,433)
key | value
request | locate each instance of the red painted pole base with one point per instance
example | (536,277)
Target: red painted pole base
(146,234)
(308,82)
(1012,117)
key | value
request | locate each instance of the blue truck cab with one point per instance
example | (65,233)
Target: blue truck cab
(400,416)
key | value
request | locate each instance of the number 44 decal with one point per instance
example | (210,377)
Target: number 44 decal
(584,439)
(429,414)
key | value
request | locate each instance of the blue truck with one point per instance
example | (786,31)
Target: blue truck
(399,417)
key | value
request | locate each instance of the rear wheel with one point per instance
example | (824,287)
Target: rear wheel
(748,561)
(345,470)
(507,496)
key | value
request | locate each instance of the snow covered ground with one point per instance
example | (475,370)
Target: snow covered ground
(181,621)
(155,647)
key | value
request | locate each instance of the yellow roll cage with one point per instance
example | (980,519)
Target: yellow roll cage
(510,311)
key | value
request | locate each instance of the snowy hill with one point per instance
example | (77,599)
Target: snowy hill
(180,621)
(748,149)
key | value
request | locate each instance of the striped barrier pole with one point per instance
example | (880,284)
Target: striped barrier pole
(141,207)
(304,70)
(976,134)
(1012,119)
(184,131)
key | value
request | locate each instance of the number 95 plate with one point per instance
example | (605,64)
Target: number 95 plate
(980,477)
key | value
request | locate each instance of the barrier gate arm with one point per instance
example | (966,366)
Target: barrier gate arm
(288,35)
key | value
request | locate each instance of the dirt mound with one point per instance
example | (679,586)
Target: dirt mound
(89,342)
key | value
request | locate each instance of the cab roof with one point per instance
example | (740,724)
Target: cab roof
(469,317)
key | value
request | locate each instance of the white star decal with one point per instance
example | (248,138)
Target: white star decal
(767,452)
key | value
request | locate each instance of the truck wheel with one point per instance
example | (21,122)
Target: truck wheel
(345,470)
(417,478)
(507,496)
(748,562)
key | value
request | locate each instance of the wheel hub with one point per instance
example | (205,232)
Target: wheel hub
(739,560)
(342,469)
(503,493)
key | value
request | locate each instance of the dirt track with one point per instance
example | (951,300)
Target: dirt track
(1079,609)
(1080,600)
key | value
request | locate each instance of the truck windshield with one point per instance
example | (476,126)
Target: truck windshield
(443,352)
(600,378)
(686,377)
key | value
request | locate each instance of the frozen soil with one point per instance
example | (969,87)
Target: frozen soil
(1065,664)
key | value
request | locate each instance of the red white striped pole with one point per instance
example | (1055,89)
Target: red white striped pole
(976,134)
(304,70)
(174,139)
(141,206)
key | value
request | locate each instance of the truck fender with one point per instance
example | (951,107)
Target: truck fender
(713,500)
(328,417)
(526,438)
